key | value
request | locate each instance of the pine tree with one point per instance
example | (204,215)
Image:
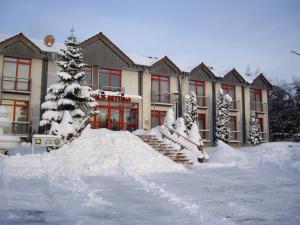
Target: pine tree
(222,117)
(180,126)
(255,136)
(191,115)
(169,119)
(67,94)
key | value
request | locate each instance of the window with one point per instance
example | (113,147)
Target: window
(255,95)
(16,74)
(18,111)
(110,80)
(233,128)
(198,87)
(202,125)
(88,78)
(157,118)
(229,89)
(261,124)
(160,89)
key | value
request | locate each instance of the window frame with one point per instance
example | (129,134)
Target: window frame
(256,92)
(17,62)
(160,114)
(160,79)
(84,69)
(261,123)
(229,87)
(110,73)
(15,105)
(197,84)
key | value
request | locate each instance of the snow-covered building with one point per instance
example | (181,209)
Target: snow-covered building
(135,91)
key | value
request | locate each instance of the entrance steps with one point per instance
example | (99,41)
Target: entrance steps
(167,150)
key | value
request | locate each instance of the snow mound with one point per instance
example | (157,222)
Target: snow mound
(96,152)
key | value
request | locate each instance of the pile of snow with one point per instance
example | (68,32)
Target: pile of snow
(96,152)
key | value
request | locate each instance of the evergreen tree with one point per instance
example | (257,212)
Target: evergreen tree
(67,94)
(180,126)
(255,136)
(169,119)
(222,117)
(191,115)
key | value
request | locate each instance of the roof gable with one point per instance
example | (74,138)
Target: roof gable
(234,77)
(261,82)
(99,50)
(201,72)
(164,66)
(19,45)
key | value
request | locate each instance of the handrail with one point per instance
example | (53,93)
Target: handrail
(180,135)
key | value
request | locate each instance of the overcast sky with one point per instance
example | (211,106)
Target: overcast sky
(223,34)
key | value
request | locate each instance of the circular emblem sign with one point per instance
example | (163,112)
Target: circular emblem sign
(49,40)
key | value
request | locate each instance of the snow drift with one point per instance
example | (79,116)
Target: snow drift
(96,152)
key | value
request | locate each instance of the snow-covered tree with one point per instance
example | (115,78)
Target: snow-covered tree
(180,126)
(255,136)
(194,135)
(169,119)
(67,94)
(191,115)
(222,117)
(66,128)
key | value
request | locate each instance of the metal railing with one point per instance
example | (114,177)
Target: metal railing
(202,101)
(234,105)
(259,107)
(159,97)
(205,134)
(111,88)
(235,136)
(18,128)
(16,84)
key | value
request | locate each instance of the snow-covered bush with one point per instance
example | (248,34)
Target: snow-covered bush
(180,126)
(67,94)
(255,136)
(194,135)
(169,119)
(191,115)
(66,128)
(222,117)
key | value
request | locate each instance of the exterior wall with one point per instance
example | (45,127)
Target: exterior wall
(130,80)
(35,104)
(265,116)
(247,110)
(1,73)
(53,70)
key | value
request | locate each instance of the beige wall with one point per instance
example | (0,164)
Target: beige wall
(130,80)
(1,71)
(53,70)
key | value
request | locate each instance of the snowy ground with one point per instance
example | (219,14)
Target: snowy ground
(245,186)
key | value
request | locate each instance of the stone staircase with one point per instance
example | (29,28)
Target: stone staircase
(167,150)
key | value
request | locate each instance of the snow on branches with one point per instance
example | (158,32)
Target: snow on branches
(255,136)
(190,116)
(222,117)
(67,94)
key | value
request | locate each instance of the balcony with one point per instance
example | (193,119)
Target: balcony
(18,129)
(259,107)
(234,105)
(235,136)
(205,135)
(160,98)
(111,88)
(202,101)
(15,84)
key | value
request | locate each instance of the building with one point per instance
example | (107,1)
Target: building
(136,91)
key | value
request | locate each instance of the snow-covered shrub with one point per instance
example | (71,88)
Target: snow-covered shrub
(169,119)
(255,136)
(194,135)
(67,94)
(66,128)
(191,115)
(180,126)
(222,117)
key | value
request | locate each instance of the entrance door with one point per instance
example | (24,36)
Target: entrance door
(102,118)
(115,119)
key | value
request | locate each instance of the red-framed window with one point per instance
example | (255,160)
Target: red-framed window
(198,87)
(88,78)
(202,124)
(157,117)
(116,115)
(16,73)
(160,88)
(18,112)
(261,123)
(109,79)
(229,89)
(232,123)
(255,95)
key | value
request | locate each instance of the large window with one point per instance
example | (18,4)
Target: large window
(202,125)
(110,80)
(160,89)
(157,117)
(16,74)
(233,128)
(256,100)
(261,124)
(229,89)
(18,111)
(88,78)
(198,87)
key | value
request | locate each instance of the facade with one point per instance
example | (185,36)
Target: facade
(135,92)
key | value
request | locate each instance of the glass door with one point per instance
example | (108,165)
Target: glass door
(115,119)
